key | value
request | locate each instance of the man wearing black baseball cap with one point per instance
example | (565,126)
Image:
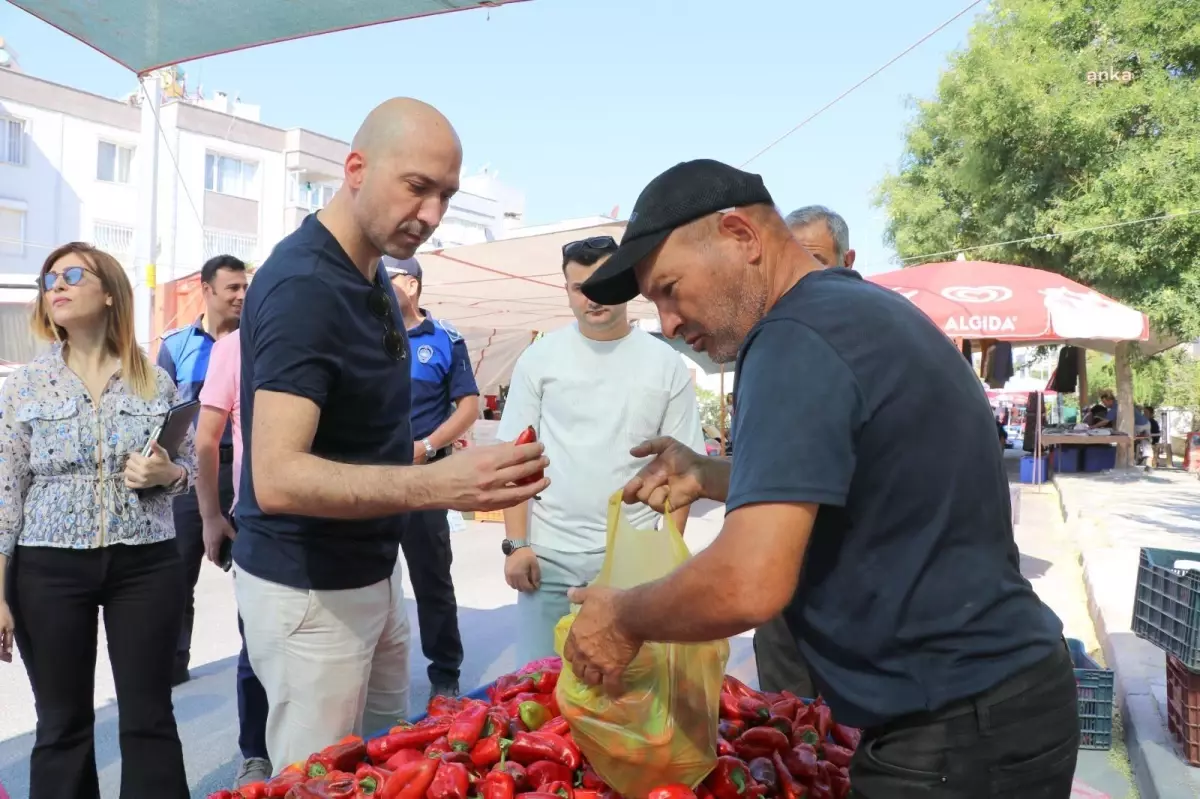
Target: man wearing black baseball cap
(865,502)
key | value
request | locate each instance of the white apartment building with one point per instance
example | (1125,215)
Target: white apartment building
(227,183)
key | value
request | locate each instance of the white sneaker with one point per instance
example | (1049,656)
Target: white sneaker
(253,769)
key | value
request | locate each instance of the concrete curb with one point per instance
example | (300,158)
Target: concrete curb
(1158,770)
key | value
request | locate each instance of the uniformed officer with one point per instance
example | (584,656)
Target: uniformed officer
(184,353)
(445,403)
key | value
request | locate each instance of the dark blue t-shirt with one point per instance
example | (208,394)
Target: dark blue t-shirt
(441,374)
(307,330)
(911,594)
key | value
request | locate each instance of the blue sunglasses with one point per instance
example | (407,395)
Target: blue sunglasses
(72,275)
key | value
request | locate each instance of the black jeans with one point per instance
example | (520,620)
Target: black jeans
(57,594)
(780,665)
(189,535)
(426,545)
(1017,740)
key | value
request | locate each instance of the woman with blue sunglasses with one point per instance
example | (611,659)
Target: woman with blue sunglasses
(86,519)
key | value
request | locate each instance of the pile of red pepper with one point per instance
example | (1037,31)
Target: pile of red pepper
(518,746)
(779,745)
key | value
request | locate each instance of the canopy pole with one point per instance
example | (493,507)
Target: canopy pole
(723,409)
(1083,381)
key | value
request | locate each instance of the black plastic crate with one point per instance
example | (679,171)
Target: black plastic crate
(1166,608)
(1095,689)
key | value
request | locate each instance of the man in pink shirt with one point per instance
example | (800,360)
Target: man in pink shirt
(220,401)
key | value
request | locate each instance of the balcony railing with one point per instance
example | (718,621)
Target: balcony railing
(219,242)
(116,240)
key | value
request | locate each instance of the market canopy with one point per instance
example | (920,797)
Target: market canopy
(143,35)
(983,300)
(511,284)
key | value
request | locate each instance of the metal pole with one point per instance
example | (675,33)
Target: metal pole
(146,232)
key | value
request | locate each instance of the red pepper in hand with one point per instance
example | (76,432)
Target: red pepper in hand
(837,755)
(544,772)
(419,737)
(729,779)
(675,791)
(278,786)
(497,785)
(464,732)
(530,747)
(411,780)
(452,781)
(528,436)
(343,756)
(848,737)
(516,771)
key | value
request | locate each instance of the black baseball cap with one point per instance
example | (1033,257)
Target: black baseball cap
(395,267)
(682,194)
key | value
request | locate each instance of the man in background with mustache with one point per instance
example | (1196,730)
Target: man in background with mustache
(592,391)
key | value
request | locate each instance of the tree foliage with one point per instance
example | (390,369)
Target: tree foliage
(1019,142)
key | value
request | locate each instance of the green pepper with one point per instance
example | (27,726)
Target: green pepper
(533,715)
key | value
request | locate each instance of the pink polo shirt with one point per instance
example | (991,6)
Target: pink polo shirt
(223,389)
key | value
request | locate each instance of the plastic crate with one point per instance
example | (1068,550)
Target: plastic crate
(489,516)
(1097,458)
(1183,708)
(1068,460)
(1033,470)
(1166,608)
(1095,688)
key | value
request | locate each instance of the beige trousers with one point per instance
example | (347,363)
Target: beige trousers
(333,663)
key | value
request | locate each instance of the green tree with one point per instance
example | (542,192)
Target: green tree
(1026,137)
(710,407)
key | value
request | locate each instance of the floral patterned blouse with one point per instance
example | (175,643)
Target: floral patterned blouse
(62,460)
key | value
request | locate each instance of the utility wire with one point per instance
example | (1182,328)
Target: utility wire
(844,94)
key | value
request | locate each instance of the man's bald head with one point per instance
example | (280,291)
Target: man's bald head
(393,121)
(402,170)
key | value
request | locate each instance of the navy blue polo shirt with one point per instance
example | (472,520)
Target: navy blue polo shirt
(184,355)
(441,373)
(307,330)
(911,595)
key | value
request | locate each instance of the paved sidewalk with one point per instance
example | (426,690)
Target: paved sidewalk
(1113,515)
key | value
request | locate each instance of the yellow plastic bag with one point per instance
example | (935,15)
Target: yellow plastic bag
(663,729)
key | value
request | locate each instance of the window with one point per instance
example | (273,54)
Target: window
(12,230)
(229,175)
(311,195)
(12,141)
(113,162)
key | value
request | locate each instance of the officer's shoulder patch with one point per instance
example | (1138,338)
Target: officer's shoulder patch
(450,329)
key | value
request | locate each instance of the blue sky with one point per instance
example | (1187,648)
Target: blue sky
(579,103)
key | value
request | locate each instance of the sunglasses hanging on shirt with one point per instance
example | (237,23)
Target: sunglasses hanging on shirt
(381,308)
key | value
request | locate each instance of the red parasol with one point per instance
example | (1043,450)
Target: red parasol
(979,299)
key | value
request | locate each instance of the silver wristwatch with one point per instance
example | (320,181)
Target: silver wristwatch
(509,546)
(430,452)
